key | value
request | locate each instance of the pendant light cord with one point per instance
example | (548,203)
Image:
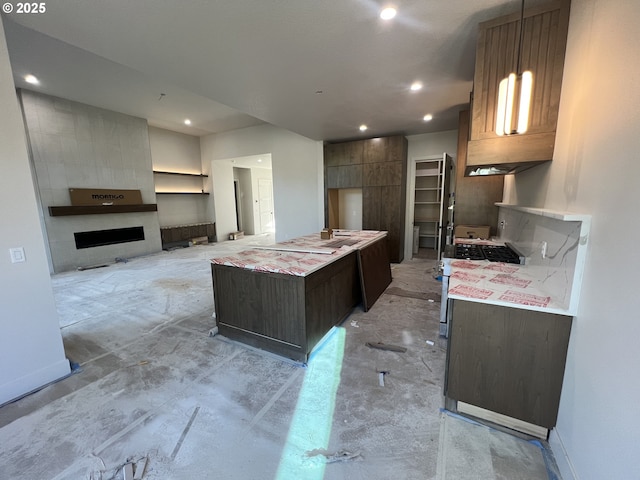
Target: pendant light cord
(519,64)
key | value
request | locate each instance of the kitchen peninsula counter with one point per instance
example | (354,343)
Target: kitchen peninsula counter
(505,284)
(507,345)
(284,298)
(510,323)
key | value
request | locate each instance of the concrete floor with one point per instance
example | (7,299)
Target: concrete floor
(154,384)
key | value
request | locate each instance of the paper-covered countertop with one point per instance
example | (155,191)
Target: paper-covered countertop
(283,258)
(505,284)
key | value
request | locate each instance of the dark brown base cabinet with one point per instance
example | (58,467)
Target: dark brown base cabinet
(284,314)
(507,360)
(181,235)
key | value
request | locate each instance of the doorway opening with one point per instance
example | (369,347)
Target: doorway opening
(243,195)
(236,191)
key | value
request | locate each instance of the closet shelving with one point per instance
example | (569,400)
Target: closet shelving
(430,201)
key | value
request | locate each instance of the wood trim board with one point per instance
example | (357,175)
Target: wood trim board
(504,420)
(374,270)
(62,211)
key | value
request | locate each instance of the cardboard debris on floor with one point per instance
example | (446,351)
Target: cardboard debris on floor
(127,471)
(341,456)
(200,240)
(133,469)
(141,465)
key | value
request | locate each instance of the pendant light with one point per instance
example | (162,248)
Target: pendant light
(514,95)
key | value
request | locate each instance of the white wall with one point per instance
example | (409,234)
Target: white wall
(596,170)
(423,146)
(297,176)
(428,144)
(350,208)
(225,208)
(173,151)
(31,352)
(177,152)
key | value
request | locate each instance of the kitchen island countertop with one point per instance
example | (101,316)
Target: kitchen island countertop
(281,257)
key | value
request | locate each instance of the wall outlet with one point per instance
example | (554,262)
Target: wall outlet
(543,250)
(17,255)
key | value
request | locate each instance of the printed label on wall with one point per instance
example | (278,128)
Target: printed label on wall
(104,196)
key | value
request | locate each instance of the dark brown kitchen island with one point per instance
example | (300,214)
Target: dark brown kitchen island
(284,300)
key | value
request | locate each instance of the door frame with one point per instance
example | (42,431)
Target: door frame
(411,185)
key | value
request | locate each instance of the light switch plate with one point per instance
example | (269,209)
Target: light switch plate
(17,255)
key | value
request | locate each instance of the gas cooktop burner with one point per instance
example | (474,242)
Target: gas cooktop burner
(468,252)
(493,253)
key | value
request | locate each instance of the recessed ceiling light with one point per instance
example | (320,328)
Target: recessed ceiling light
(388,13)
(428,117)
(415,86)
(187,122)
(363,128)
(259,160)
(31,79)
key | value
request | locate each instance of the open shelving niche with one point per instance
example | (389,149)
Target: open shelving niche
(430,201)
(198,189)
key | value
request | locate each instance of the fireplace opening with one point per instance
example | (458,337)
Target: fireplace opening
(98,238)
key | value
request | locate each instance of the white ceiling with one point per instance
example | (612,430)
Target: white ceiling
(233,64)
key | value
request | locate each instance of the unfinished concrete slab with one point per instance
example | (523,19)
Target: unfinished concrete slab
(153,384)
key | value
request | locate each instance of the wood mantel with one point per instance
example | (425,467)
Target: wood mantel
(62,211)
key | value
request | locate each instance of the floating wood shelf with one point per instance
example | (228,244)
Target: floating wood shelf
(100,209)
(181,173)
(182,193)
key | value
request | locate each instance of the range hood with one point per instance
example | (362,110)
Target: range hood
(508,155)
(499,169)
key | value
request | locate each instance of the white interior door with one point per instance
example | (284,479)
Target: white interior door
(265,205)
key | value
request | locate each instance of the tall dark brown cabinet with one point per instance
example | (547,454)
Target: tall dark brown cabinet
(378,166)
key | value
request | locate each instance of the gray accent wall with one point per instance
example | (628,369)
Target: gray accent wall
(74,145)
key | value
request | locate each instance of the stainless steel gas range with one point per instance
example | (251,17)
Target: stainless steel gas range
(464,249)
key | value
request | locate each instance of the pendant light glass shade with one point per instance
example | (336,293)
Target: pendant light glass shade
(524,105)
(514,95)
(514,102)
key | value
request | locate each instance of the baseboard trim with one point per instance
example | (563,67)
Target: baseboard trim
(561,456)
(500,419)
(33,381)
